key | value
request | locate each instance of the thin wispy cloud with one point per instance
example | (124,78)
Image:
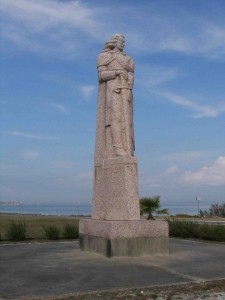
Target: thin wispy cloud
(215,35)
(200,110)
(184,33)
(170,171)
(59,107)
(87,90)
(150,76)
(59,27)
(31,154)
(48,26)
(30,136)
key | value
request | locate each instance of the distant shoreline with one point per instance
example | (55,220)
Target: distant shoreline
(8,214)
(46,209)
(40,215)
(11,203)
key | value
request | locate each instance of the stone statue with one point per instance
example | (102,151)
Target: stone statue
(115,182)
(116,76)
(115,228)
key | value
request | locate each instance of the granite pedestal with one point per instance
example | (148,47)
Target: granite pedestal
(115,228)
(115,190)
(124,238)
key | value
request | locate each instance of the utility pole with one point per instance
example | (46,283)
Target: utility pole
(198,199)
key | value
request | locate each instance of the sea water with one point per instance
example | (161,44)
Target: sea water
(47,209)
(80,209)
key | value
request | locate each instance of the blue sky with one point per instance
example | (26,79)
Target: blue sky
(49,94)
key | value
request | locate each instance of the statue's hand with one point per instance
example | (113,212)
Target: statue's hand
(123,74)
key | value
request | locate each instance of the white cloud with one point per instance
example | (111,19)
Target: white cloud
(183,33)
(32,154)
(156,75)
(59,107)
(69,27)
(200,110)
(215,35)
(211,175)
(43,13)
(30,136)
(170,171)
(48,26)
(87,90)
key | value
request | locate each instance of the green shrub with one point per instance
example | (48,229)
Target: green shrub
(70,231)
(183,216)
(51,232)
(182,228)
(188,229)
(212,232)
(16,231)
(217,210)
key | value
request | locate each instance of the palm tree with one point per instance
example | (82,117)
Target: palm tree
(163,211)
(149,205)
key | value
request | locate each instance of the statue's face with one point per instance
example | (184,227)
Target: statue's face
(120,43)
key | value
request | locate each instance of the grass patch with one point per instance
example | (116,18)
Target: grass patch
(35,223)
(183,216)
(189,229)
(70,231)
(51,232)
(16,231)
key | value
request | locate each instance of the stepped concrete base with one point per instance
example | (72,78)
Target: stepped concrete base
(124,238)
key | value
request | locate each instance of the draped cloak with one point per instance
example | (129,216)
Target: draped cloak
(110,61)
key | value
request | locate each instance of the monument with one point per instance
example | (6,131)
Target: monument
(115,228)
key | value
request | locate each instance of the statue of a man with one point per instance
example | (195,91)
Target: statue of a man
(116,76)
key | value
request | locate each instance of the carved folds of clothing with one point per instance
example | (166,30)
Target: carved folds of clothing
(118,102)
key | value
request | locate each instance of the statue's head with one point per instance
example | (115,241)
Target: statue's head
(116,41)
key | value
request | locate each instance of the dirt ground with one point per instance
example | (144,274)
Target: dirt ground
(208,290)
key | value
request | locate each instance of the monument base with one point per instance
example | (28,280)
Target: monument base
(115,190)
(124,238)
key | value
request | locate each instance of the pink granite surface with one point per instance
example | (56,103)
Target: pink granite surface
(123,229)
(115,190)
(119,160)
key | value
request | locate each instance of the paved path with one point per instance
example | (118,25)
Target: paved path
(56,268)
